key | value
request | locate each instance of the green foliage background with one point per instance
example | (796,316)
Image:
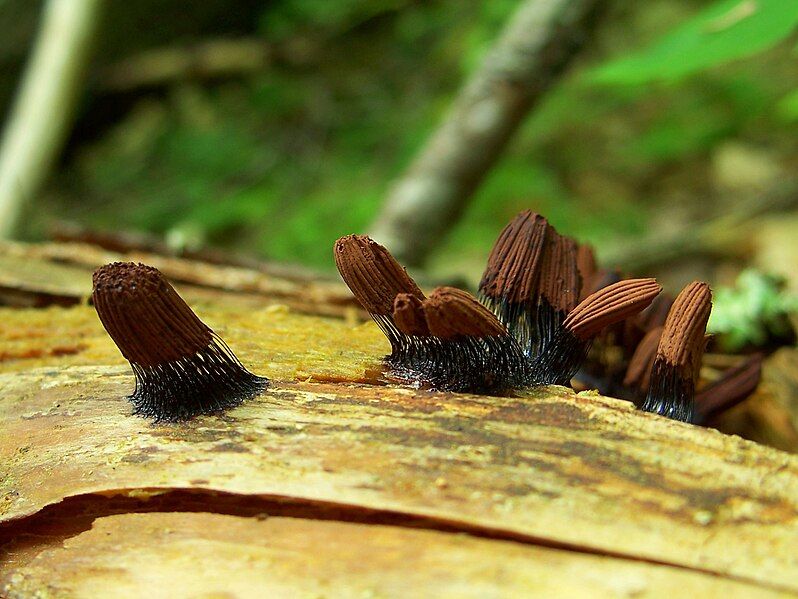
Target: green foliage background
(283,161)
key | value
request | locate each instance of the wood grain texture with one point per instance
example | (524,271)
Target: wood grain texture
(389,491)
(575,471)
(212,555)
(60,273)
(271,340)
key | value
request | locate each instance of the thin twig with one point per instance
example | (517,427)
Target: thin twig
(534,49)
(45,106)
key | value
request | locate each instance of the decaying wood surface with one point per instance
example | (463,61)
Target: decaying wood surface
(333,483)
(584,473)
(232,556)
(60,273)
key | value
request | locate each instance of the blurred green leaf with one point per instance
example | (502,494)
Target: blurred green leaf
(725,31)
(285,18)
(752,311)
(284,160)
(787,108)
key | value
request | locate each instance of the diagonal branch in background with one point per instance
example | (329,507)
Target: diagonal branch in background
(45,106)
(725,233)
(209,59)
(533,50)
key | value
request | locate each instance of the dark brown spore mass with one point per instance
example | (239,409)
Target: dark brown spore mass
(372,274)
(560,280)
(149,322)
(686,324)
(610,305)
(735,385)
(528,326)
(182,368)
(514,261)
(408,314)
(587,267)
(451,313)
(674,373)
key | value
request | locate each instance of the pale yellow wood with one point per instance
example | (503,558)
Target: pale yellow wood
(685,510)
(176,555)
(47,277)
(65,269)
(271,340)
(584,471)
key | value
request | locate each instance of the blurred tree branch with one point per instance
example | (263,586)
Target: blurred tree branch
(726,234)
(204,60)
(533,50)
(44,108)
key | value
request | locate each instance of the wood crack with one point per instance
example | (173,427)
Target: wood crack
(23,538)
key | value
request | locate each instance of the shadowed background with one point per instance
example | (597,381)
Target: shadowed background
(271,128)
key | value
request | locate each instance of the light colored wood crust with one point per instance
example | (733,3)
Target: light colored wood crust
(62,272)
(677,507)
(214,555)
(581,471)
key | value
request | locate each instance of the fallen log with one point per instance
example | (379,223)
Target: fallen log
(334,482)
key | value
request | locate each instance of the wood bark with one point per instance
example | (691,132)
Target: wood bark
(534,49)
